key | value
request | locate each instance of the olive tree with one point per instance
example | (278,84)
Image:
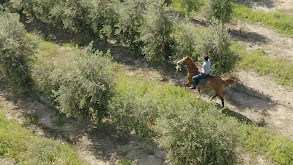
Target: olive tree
(215,42)
(130,20)
(218,9)
(156,32)
(16,51)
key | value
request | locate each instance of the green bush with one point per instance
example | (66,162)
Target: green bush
(196,134)
(69,14)
(130,20)
(102,18)
(131,112)
(215,42)
(35,9)
(16,51)
(218,9)
(156,33)
(86,84)
(186,37)
(81,84)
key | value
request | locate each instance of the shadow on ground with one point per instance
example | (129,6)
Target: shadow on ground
(245,36)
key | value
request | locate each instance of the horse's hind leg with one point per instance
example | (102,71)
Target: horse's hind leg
(213,97)
(222,99)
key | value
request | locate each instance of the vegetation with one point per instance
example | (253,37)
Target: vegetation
(155,33)
(277,20)
(220,10)
(159,109)
(16,51)
(186,41)
(81,85)
(187,6)
(258,140)
(190,129)
(24,147)
(131,19)
(215,42)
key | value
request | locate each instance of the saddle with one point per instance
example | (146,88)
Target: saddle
(203,81)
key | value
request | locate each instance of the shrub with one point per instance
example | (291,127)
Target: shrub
(186,41)
(215,42)
(102,18)
(86,84)
(35,9)
(156,32)
(130,20)
(196,134)
(190,5)
(16,51)
(81,84)
(69,14)
(218,9)
(131,112)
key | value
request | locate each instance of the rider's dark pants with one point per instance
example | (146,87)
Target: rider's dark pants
(197,77)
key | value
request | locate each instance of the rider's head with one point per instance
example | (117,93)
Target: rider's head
(206,57)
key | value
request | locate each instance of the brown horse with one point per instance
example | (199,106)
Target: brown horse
(215,82)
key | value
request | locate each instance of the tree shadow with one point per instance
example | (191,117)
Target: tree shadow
(247,36)
(258,3)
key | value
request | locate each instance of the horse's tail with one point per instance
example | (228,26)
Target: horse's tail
(231,80)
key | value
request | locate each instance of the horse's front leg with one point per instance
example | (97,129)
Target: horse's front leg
(186,85)
(198,89)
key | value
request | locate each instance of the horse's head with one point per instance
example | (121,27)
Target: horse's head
(186,61)
(189,63)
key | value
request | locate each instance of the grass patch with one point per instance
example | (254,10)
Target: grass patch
(282,22)
(24,147)
(32,119)
(258,140)
(259,60)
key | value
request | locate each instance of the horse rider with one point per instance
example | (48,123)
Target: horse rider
(205,72)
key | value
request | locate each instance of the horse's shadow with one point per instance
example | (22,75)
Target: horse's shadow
(244,97)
